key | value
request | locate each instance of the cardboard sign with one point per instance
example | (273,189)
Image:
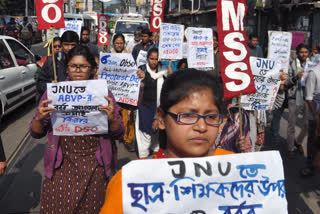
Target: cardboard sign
(49,14)
(142,58)
(120,71)
(234,54)
(103,30)
(76,106)
(73,25)
(157,15)
(171,41)
(240,183)
(266,77)
(279,48)
(200,47)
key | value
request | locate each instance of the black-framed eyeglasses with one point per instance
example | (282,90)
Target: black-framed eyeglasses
(192,118)
(82,68)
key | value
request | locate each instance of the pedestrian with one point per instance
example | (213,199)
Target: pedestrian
(119,44)
(85,41)
(69,40)
(146,122)
(77,168)
(26,33)
(295,97)
(253,45)
(216,54)
(3,163)
(136,40)
(278,108)
(189,115)
(182,64)
(257,118)
(146,44)
(12,29)
(57,47)
(312,97)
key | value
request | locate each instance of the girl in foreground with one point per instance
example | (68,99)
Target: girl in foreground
(76,167)
(189,118)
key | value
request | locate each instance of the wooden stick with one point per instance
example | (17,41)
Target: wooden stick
(240,114)
(53,57)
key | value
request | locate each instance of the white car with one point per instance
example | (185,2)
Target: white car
(17,69)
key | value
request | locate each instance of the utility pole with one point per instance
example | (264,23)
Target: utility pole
(26,12)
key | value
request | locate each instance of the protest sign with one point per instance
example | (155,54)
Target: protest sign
(200,47)
(73,25)
(49,14)
(297,38)
(171,41)
(103,29)
(142,58)
(279,48)
(239,183)
(157,15)
(310,66)
(234,54)
(266,77)
(120,71)
(76,106)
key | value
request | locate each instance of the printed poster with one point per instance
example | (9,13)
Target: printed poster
(266,74)
(76,106)
(120,71)
(171,41)
(200,47)
(228,184)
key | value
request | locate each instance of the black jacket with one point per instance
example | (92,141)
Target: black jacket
(46,74)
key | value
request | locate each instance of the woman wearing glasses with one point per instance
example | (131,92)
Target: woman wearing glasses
(189,118)
(76,167)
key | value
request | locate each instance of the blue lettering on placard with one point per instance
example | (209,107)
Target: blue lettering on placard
(250,170)
(104,60)
(75,119)
(239,209)
(261,87)
(73,98)
(265,64)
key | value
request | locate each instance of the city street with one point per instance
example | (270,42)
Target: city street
(20,187)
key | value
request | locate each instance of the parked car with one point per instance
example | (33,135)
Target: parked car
(17,69)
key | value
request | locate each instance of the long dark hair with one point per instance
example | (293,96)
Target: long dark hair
(85,52)
(181,84)
(118,35)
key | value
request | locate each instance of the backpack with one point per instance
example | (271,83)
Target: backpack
(25,33)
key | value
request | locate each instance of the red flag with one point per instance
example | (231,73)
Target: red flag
(234,54)
(49,14)
(102,29)
(157,15)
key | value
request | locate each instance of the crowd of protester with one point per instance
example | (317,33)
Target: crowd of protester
(180,113)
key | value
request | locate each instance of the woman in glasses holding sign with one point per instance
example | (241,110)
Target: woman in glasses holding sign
(189,117)
(76,167)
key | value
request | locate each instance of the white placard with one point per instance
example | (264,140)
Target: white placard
(171,41)
(279,48)
(77,107)
(239,183)
(266,74)
(200,47)
(73,25)
(120,71)
(142,58)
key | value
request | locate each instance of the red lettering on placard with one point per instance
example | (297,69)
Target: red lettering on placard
(49,14)
(234,55)
(86,129)
(157,15)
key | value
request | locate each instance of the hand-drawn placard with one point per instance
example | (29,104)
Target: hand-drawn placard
(266,78)
(73,25)
(142,58)
(77,107)
(279,48)
(171,41)
(120,71)
(200,47)
(240,183)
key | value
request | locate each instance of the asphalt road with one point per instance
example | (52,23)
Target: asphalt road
(20,188)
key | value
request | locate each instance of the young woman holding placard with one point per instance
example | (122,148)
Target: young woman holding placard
(76,167)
